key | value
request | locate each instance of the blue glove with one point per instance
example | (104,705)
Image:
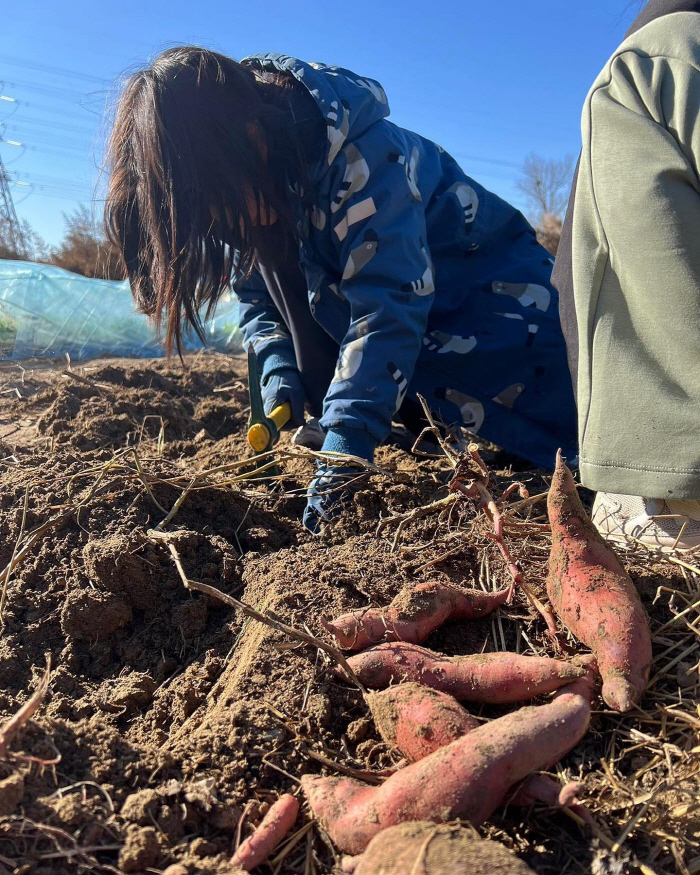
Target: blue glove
(280,385)
(333,485)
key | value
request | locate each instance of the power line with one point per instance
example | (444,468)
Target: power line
(57,126)
(51,180)
(86,115)
(72,145)
(54,71)
(70,95)
(78,193)
(82,140)
(41,135)
(500,163)
(37,191)
(53,191)
(68,134)
(70,153)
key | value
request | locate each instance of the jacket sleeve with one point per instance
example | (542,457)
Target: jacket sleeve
(262,325)
(637,277)
(377,224)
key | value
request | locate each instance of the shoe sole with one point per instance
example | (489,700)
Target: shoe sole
(663,546)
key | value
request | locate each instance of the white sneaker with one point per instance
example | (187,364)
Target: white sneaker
(658,522)
(309,435)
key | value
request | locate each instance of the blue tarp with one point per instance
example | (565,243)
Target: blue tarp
(48,311)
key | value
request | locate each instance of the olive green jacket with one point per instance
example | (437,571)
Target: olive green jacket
(635,254)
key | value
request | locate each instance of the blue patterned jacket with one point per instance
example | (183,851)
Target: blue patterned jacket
(428,282)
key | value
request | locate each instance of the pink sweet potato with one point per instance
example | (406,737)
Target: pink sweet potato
(546,791)
(483,677)
(467,779)
(594,597)
(273,828)
(418,720)
(412,615)
(543,789)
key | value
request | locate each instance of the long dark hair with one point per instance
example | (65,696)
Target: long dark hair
(183,153)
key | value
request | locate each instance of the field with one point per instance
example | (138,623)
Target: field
(172,721)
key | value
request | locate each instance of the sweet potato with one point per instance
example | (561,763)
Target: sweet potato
(546,791)
(483,677)
(543,789)
(594,597)
(427,849)
(467,779)
(272,829)
(418,720)
(412,615)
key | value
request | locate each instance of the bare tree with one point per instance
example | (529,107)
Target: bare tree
(546,184)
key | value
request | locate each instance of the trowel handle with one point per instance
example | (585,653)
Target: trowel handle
(281,415)
(259,436)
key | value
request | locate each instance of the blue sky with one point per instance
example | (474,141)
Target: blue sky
(490,81)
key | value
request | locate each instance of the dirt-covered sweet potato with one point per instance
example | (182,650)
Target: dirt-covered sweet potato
(429,849)
(594,597)
(417,720)
(272,829)
(412,615)
(483,677)
(467,779)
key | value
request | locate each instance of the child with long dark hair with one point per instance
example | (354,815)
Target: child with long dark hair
(369,267)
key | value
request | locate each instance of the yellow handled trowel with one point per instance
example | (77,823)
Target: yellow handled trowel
(263,430)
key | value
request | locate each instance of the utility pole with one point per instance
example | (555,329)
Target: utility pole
(10,229)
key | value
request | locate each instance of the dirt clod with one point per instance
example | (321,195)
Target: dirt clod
(141,849)
(93,616)
(141,807)
(11,792)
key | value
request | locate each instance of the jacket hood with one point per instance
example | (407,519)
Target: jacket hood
(349,103)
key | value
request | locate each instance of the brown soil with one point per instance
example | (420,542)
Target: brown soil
(172,722)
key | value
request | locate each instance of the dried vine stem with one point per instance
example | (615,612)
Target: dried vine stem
(268,618)
(471,479)
(403,519)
